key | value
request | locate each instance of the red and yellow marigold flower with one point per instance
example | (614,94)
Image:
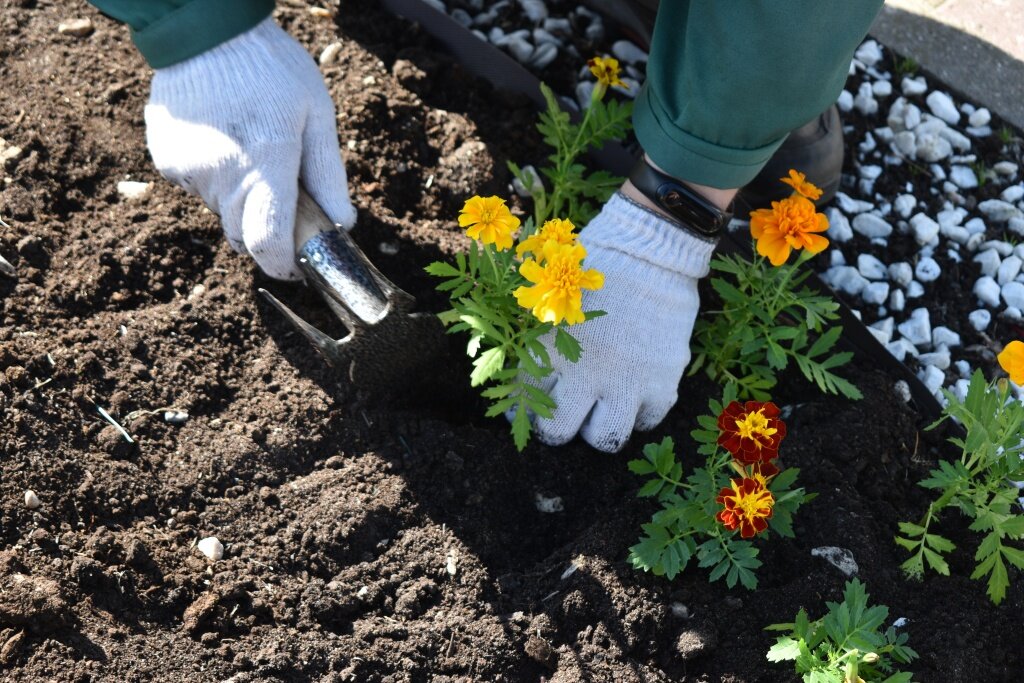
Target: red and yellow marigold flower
(798,181)
(1011,359)
(558,284)
(751,431)
(790,224)
(606,70)
(747,506)
(488,219)
(558,230)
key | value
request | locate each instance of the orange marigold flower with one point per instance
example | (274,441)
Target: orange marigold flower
(789,224)
(751,431)
(1011,359)
(557,291)
(558,230)
(747,506)
(606,70)
(798,181)
(488,219)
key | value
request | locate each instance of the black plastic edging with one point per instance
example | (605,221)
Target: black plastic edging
(486,61)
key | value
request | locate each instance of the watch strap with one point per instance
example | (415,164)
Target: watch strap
(693,212)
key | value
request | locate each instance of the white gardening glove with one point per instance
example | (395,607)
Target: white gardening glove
(633,357)
(239,125)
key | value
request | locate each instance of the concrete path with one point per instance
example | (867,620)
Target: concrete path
(975,46)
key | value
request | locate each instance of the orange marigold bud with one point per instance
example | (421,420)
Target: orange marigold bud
(798,181)
(751,431)
(747,507)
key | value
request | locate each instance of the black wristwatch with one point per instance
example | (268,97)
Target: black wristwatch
(692,211)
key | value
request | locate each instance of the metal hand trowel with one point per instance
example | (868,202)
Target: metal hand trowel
(385,340)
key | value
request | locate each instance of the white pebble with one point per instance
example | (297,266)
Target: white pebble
(998,210)
(960,388)
(32,500)
(133,189)
(845,101)
(176,417)
(876,293)
(883,329)
(836,258)
(535,10)
(882,88)
(1012,313)
(980,117)
(79,28)
(960,142)
(963,177)
(927,270)
(917,329)
(943,336)
(963,367)
(980,319)
(932,378)
(212,548)
(548,505)
(904,204)
(926,231)
(1013,193)
(988,261)
(915,290)
(902,390)
(914,86)
(871,226)
(870,267)
(628,52)
(329,55)
(1013,294)
(850,205)
(864,101)
(1002,248)
(1016,225)
(901,273)
(839,229)
(840,558)
(1007,168)
(942,106)
(987,290)
(869,53)
(937,359)
(933,147)
(846,279)
(870,172)
(897,300)
(1009,269)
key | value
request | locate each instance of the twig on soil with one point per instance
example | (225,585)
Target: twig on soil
(108,418)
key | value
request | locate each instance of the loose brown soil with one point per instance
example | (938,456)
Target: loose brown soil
(364,542)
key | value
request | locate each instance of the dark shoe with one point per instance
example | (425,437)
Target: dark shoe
(815,149)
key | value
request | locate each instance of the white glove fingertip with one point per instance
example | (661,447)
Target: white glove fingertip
(268,227)
(324,176)
(652,414)
(609,426)
(571,410)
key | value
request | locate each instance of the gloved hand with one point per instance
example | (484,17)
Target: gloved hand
(633,357)
(239,125)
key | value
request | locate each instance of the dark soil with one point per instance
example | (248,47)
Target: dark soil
(342,521)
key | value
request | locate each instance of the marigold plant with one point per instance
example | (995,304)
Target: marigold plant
(567,187)
(847,645)
(980,483)
(738,493)
(508,304)
(767,318)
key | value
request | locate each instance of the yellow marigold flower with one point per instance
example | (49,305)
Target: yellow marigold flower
(557,291)
(789,224)
(606,70)
(558,230)
(1011,359)
(798,181)
(488,219)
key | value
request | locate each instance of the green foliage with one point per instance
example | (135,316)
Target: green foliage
(505,340)
(767,320)
(904,67)
(847,645)
(685,528)
(979,484)
(576,193)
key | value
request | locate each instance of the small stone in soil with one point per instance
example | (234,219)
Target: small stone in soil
(1008,269)
(839,229)
(917,329)
(79,28)
(980,319)
(871,226)
(876,293)
(941,104)
(329,55)
(32,501)
(840,558)
(897,300)
(547,504)
(901,273)
(938,359)
(932,378)
(927,270)
(963,177)
(987,290)
(176,417)
(1013,295)
(212,548)
(988,262)
(963,367)
(912,87)
(902,390)
(998,210)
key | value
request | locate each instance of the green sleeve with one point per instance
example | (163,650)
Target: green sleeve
(728,80)
(170,31)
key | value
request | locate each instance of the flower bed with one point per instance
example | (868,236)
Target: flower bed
(365,542)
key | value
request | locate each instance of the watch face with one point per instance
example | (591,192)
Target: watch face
(678,201)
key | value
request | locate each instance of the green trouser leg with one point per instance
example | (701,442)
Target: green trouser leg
(728,80)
